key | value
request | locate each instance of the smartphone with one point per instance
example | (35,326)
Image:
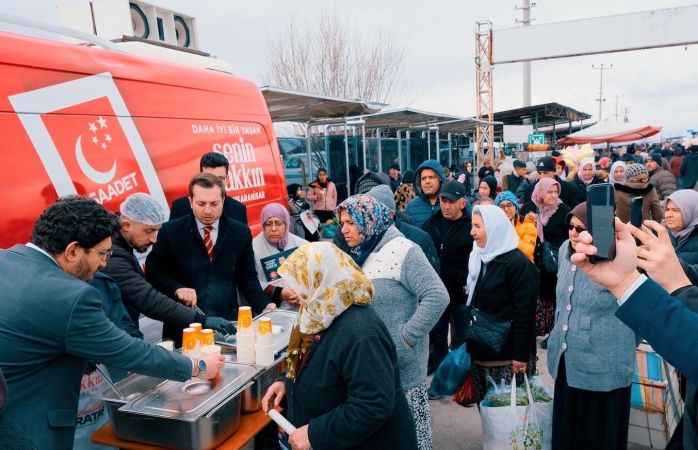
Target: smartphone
(601,212)
(636,212)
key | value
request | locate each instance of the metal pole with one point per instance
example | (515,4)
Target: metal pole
(346,159)
(307,150)
(399,149)
(601,68)
(363,146)
(380,150)
(409,151)
(450,152)
(428,134)
(526,21)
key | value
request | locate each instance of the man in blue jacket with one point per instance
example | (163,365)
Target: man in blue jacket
(427,184)
(669,322)
(52,323)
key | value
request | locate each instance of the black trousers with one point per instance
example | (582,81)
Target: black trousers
(584,420)
(438,336)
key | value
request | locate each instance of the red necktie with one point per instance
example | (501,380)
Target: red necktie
(208,242)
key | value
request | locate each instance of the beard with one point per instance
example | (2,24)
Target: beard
(82,271)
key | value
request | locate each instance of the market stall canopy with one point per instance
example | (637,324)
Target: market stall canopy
(294,106)
(462,126)
(398,118)
(545,114)
(610,133)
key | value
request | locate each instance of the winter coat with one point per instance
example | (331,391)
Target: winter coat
(409,297)
(420,208)
(599,349)
(663,181)
(512,182)
(570,195)
(688,249)
(403,195)
(689,171)
(528,234)
(675,165)
(349,391)
(508,289)
(651,208)
(453,243)
(582,186)
(555,231)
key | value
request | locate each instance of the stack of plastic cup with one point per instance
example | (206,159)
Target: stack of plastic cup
(190,341)
(245,336)
(264,345)
(197,327)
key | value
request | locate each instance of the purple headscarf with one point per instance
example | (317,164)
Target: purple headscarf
(280,212)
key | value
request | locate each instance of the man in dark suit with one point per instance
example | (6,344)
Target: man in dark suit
(52,323)
(203,258)
(216,164)
(140,220)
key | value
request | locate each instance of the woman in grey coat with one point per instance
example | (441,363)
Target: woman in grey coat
(408,294)
(591,355)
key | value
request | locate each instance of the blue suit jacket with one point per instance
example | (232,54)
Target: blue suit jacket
(670,324)
(51,324)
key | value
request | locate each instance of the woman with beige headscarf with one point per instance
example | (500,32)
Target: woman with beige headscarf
(342,385)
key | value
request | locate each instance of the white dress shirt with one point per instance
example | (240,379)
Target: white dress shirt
(41,250)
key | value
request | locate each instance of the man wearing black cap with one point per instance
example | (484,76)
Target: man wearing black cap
(513,181)
(449,228)
(569,193)
(662,180)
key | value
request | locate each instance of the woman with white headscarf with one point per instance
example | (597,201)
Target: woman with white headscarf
(586,174)
(342,384)
(681,218)
(503,283)
(617,173)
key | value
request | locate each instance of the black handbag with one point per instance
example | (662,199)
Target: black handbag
(485,330)
(548,257)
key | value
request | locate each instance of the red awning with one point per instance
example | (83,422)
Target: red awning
(588,136)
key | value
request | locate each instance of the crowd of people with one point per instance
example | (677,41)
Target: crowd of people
(418,258)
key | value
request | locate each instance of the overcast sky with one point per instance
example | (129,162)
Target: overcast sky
(658,86)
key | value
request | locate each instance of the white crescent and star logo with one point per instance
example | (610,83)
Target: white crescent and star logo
(102,139)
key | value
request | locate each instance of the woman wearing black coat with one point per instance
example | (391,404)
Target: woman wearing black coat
(342,384)
(552,232)
(503,283)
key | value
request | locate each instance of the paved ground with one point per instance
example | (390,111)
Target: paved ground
(455,427)
(458,428)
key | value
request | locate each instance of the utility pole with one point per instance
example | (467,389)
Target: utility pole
(601,68)
(618,97)
(525,21)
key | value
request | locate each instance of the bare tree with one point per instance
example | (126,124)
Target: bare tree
(327,57)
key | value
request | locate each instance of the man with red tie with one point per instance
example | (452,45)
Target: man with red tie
(203,258)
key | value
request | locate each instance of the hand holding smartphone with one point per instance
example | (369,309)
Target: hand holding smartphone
(601,211)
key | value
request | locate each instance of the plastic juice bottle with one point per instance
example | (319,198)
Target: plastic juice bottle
(264,344)
(245,336)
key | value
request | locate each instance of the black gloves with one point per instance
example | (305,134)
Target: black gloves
(220,325)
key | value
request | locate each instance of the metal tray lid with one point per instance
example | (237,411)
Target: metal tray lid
(191,399)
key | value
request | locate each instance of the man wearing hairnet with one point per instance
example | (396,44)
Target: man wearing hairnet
(141,218)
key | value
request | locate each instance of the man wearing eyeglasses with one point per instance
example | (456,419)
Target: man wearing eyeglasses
(203,259)
(52,323)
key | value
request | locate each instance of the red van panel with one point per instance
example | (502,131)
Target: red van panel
(106,125)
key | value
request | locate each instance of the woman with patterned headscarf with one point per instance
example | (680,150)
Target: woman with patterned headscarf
(408,294)
(525,226)
(342,380)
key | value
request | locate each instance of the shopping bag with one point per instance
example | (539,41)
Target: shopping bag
(466,395)
(451,372)
(523,424)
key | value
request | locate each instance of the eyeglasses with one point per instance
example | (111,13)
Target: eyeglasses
(273,224)
(104,254)
(576,228)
